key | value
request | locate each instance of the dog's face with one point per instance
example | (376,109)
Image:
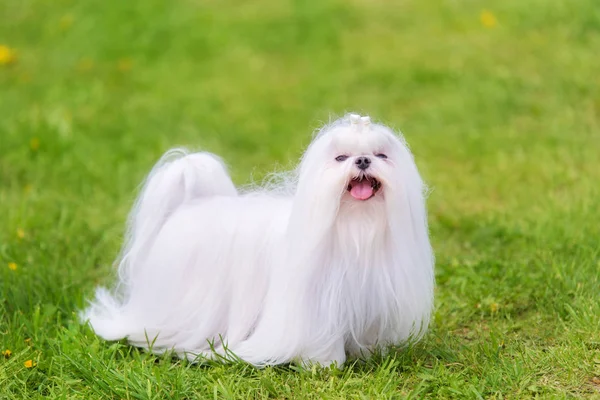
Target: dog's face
(355,162)
(362,156)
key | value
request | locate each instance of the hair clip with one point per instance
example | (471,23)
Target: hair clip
(354,119)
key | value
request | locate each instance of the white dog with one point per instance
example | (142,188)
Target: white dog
(335,261)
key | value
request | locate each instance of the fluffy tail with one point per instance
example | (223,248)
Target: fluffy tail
(176,179)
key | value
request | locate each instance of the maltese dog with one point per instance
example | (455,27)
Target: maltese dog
(333,260)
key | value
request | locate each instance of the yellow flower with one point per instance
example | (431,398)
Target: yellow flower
(7,55)
(494,307)
(20,233)
(7,353)
(29,364)
(34,144)
(124,64)
(12,266)
(488,19)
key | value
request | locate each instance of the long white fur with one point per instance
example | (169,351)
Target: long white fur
(301,273)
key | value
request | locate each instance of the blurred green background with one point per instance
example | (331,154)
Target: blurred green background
(499,101)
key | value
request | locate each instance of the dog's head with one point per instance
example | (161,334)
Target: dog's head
(354,162)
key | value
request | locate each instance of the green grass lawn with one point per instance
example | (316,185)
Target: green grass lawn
(499,101)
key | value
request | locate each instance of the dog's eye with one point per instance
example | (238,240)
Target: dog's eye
(341,158)
(381,155)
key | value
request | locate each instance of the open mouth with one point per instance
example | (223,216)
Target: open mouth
(363,187)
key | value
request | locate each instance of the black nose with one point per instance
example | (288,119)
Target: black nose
(363,162)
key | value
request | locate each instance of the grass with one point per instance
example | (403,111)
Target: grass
(500,102)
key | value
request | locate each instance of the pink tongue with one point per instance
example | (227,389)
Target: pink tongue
(361,190)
